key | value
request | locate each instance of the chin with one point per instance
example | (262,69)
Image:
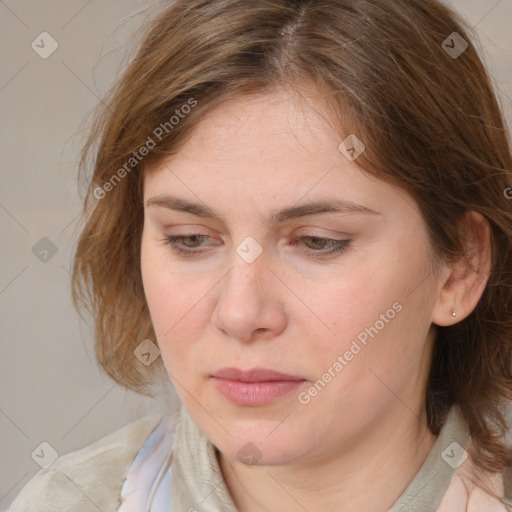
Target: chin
(259,443)
(259,453)
(267,435)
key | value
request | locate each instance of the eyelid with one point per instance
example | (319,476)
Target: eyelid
(320,232)
(307,233)
(307,230)
(338,246)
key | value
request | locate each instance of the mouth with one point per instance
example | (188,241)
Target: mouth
(255,387)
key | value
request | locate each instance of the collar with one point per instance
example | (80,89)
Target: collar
(198,484)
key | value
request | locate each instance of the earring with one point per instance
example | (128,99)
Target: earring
(454,314)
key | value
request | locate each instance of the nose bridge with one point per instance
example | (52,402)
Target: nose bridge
(245,301)
(247,269)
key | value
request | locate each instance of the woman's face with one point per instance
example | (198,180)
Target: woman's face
(339,299)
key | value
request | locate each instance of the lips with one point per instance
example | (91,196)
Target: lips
(254,375)
(255,387)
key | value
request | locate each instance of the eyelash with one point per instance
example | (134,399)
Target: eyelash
(339,245)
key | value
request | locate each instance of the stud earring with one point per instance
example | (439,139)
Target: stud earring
(454,314)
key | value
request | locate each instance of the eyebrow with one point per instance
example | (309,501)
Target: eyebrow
(277,216)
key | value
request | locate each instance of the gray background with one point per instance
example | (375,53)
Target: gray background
(51,388)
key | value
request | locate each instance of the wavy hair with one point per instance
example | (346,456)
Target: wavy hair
(392,72)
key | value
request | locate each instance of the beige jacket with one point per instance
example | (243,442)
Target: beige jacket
(90,479)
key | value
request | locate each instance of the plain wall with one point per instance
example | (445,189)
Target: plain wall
(51,387)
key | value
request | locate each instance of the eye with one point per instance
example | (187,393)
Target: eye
(187,249)
(334,246)
(322,247)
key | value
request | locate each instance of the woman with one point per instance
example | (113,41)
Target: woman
(307,206)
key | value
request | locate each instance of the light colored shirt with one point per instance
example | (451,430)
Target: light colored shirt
(91,479)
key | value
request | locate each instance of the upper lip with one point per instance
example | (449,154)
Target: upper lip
(253,375)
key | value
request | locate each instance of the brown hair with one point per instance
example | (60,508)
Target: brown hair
(429,119)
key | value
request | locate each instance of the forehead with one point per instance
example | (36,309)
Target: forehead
(274,150)
(251,135)
(265,126)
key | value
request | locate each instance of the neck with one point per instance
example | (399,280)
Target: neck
(370,475)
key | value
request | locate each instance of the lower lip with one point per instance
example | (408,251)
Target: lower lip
(255,393)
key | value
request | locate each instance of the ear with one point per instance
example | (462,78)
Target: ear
(464,281)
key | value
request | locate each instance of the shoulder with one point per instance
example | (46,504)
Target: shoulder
(489,491)
(474,489)
(507,482)
(87,479)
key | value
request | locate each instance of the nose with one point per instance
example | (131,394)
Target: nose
(250,301)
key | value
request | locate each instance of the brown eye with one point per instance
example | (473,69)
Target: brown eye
(179,243)
(323,247)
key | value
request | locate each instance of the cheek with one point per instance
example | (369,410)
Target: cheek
(176,305)
(164,290)
(382,305)
(324,315)
(154,280)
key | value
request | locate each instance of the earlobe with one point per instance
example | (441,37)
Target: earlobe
(466,279)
